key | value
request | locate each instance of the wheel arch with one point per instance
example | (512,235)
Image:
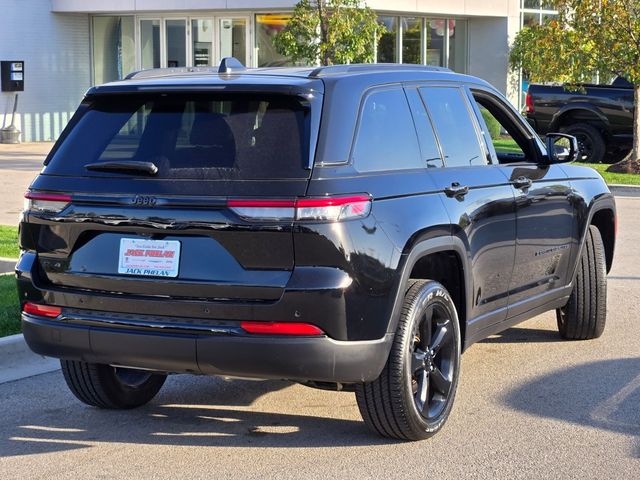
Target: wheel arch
(579,113)
(444,258)
(604,219)
(602,214)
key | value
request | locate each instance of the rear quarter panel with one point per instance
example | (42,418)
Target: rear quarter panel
(406,210)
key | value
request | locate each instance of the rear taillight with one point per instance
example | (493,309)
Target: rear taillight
(528,104)
(41,310)
(281,328)
(324,209)
(45,202)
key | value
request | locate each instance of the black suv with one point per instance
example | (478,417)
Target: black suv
(347,227)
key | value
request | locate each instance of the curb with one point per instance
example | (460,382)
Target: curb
(7,265)
(625,190)
(17,361)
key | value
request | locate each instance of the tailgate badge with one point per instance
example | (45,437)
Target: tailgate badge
(144,201)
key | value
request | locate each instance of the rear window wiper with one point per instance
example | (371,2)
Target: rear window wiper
(149,168)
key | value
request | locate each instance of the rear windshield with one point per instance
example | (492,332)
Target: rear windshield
(196,136)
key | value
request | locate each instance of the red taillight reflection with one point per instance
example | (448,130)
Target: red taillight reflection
(281,328)
(322,209)
(45,202)
(528,104)
(47,197)
(41,310)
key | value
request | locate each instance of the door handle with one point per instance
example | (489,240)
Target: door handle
(456,190)
(522,183)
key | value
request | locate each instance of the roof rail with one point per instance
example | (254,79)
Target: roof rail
(167,72)
(372,67)
(227,66)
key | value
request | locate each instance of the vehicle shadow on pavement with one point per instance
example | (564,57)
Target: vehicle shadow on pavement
(603,394)
(207,414)
(524,335)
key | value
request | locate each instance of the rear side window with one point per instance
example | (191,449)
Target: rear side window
(198,136)
(455,128)
(386,137)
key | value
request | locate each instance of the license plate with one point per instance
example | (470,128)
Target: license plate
(152,258)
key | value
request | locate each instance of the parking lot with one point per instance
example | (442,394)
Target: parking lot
(529,405)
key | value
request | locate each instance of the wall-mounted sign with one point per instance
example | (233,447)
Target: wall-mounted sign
(12,75)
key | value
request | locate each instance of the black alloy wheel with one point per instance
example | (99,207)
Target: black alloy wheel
(433,362)
(130,377)
(414,394)
(591,144)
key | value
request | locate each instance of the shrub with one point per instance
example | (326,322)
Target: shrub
(492,124)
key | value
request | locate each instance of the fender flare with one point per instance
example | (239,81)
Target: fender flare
(555,120)
(605,202)
(421,250)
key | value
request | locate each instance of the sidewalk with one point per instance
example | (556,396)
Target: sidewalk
(16,358)
(18,165)
(18,361)
(7,265)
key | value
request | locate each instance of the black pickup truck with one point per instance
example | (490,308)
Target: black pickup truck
(599,116)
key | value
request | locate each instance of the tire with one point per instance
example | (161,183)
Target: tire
(392,405)
(585,315)
(615,156)
(104,386)
(590,140)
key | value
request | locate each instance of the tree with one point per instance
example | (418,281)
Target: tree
(588,37)
(330,32)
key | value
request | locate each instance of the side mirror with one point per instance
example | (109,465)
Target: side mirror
(562,148)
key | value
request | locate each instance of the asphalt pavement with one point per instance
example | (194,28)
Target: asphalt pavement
(529,406)
(19,164)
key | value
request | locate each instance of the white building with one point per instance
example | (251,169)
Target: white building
(69,45)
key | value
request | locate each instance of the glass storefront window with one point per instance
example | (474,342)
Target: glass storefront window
(436,30)
(411,39)
(233,38)
(458,46)
(113,48)
(202,42)
(267,26)
(150,43)
(176,43)
(530,19)
(388,42)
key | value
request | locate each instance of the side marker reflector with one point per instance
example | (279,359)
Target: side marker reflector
(281,328)
(41,310)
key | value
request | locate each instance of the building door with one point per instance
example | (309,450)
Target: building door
(149,44)
(175,52)
(202,42)
(233,38)
(191,42)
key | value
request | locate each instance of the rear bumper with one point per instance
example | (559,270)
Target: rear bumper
(222,351)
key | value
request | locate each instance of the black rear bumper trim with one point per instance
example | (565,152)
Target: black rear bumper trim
(320,359)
